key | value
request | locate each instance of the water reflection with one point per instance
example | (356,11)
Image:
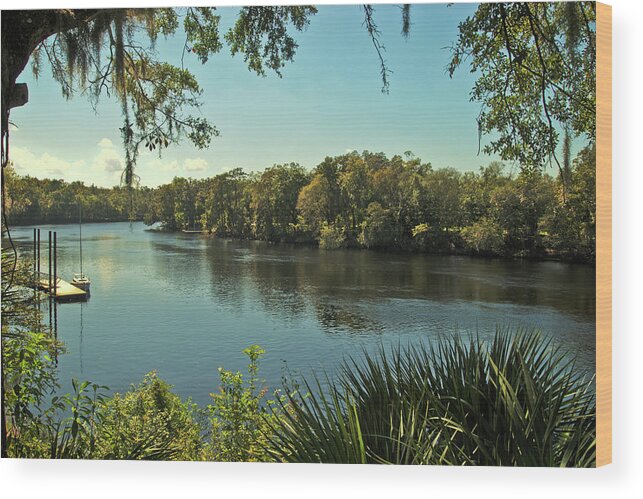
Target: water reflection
(186,305)
(287,277)
(338,319)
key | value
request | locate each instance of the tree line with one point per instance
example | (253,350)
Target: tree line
(370,201)
(43,201)
(354,200)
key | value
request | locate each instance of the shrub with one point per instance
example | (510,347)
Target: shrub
(378,230)
(330,236)
(149,422)
(239,422)
(484,237)
(515,401)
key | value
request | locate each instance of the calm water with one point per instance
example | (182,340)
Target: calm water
(185,305)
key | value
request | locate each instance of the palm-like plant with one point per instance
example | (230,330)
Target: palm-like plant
(516,400)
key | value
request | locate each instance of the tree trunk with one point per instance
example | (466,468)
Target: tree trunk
(22,32)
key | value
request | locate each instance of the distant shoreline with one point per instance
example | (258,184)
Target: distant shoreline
(68,222)
(398,251)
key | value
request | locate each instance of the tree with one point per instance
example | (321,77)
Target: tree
(537,76)
(313,204)
(226,200)
(111,51)
(476,189)
(355,189)
(102,52)
(274,201)
(571,227)
(379,229)
(518,208)
(443,197)
(484,237)
(398,186)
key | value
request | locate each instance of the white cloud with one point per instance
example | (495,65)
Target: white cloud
(105,142)
(195,165)
(108,158)
(44,165)
(112,165)
(151,163)
(170,166)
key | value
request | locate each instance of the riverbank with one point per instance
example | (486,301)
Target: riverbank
(539,256)
(30,222)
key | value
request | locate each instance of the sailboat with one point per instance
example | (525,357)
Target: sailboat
(80,280)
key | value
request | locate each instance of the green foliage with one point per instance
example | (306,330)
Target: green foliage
(314,203)
(239,422)
(518,208)
(571,228)
(365,200)
(422,235)
(149,422)
(100,52)
(202,28)
(330,237)
(384,204)
(261,34)
(513,401)
(484,237)
(74,437)
(29,376)
(536,67)
(274,201)
(31,200)
(378,230)
(28,363)
(226,202)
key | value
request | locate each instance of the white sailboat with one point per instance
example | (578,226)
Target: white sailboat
(80,280)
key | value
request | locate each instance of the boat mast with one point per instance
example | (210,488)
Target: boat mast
(80,224)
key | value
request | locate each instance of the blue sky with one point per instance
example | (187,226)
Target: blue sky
(328,102)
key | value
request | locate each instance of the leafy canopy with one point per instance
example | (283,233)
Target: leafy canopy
(537,76)
(112,52)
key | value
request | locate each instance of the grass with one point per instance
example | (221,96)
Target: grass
(513,401)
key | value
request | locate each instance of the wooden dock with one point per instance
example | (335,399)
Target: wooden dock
(63,291)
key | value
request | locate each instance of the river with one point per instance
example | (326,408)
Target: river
(184,305)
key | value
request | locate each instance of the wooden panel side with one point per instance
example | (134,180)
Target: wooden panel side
(603,234)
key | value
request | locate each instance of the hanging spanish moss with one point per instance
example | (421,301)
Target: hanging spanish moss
(572,28)
(406,20)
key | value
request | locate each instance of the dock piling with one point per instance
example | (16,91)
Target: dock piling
(55,266)
(56,288)
(49,262)
(34,255)
(38,268)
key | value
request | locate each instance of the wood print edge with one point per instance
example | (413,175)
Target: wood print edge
(603,234)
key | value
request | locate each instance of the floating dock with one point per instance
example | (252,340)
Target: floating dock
(63,291)
(49,282)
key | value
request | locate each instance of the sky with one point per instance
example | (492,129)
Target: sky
(328,102)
